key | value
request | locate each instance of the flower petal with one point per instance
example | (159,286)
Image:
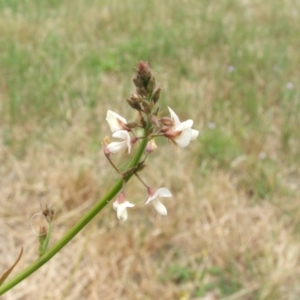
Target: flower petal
(174,117)
(129,204)
(187,133)
(128,143)
(122,213)
(162,192)
(195,134)
(159,207)
(115,147)
(184,138)
(121,209)
(115,205)
(184,125)
(121,134)
(114,121)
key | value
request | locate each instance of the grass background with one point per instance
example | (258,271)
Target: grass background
(233,228)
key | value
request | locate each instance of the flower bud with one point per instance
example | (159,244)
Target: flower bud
(165,129)
(156,95)
(133,140)
(136,98)
(156,112)
(147,106)
(172,134)
(167,121)
(142,121)
(151,147)
(48,213)
(150,85)
(144,80)
(134,104)
(131,125)
(143,71)
(136,81)
(154,120)
(142,91)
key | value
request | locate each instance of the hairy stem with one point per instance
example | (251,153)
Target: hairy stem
(77,227)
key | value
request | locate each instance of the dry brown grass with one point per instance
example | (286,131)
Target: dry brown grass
(210,225)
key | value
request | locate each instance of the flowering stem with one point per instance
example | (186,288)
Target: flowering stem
(157,134)
(113,165)
(79,225)
(142,181)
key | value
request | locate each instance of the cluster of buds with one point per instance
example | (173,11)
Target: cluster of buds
(48,213)
(144,100)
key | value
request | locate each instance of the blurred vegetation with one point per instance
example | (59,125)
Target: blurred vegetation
(231,66)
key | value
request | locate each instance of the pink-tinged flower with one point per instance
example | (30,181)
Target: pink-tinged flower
(116,122)
(154,198)
(115,147)
(151,147)
(181,133)
(176,120)
(120,205)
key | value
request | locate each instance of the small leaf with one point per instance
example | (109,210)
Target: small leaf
(6,274)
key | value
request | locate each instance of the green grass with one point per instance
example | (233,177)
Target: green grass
(231,66)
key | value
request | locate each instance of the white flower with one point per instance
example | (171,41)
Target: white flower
(181,133)
(115,121)
(120,205)
(154,198)
(177,122)
(115,147)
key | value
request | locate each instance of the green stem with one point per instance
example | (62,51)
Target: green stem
(77,227)
(47,240)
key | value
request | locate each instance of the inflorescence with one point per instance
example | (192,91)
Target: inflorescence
(145,101)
